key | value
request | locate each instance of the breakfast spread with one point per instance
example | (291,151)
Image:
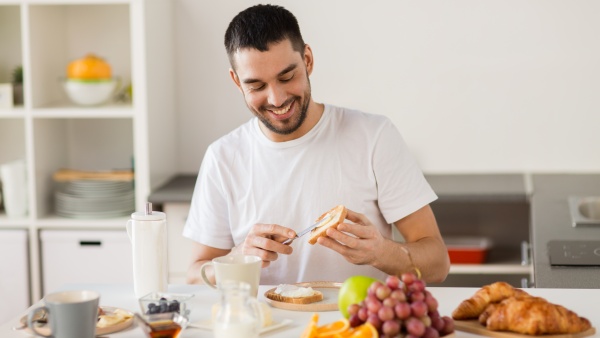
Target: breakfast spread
(289,293)
(335,215)
(500,307)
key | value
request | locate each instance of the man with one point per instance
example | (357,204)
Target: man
(274,175)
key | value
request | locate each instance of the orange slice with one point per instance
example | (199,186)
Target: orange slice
(311,329)
(365,330)
(330,330)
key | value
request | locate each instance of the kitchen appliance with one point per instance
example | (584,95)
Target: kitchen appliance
(578,253)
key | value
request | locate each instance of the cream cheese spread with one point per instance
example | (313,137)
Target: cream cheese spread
(294,291)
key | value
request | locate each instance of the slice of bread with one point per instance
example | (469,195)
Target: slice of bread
(316,296)
(338,215)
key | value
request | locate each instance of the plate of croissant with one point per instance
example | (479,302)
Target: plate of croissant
(500,310)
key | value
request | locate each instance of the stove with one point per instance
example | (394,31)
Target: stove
(577,253)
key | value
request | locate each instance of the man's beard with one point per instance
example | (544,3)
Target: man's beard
(290,125)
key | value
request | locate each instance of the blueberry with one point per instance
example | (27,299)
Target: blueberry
(164,307)
(174,307)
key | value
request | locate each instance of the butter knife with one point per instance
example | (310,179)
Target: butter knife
(309,229)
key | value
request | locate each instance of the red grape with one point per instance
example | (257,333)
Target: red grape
(402,310)
(399,295)
(417,285)
(418,308)
(386,313)
(373,287)
(416,295)
(448,325)
(390,328)
(363,314)
(353,309)
(373,305)
(383,292)
(408,278)
(438,323)
(393,282)
(432,303)
(390,302)
(426,320)
(431,333)
(415,327)
(375,321)
(355,320)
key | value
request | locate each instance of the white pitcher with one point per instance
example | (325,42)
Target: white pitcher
(148,234)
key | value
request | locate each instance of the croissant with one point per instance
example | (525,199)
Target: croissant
(493,293)
(533,316)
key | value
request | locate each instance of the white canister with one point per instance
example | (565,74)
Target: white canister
(148,234)
(14,188)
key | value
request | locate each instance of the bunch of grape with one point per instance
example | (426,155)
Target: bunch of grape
(401,306)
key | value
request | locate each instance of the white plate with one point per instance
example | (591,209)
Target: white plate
(206,324)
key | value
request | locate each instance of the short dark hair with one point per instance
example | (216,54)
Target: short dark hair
(258,26)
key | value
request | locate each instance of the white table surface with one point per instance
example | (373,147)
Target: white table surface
(583,301)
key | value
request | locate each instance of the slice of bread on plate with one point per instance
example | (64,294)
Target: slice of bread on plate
(294,294)
(315,297)
(336,216)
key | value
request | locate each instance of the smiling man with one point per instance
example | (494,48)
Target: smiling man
(274,175)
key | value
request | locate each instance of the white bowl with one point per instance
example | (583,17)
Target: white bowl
(90,93)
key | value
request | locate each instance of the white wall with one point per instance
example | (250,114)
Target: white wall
(474,86)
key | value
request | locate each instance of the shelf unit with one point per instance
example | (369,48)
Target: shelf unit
(49,132)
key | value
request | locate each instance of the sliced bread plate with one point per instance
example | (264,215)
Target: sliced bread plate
(329,290)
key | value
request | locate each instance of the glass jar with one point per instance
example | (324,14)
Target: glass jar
(238,314)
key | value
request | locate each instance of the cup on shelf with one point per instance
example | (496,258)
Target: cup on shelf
(14,188)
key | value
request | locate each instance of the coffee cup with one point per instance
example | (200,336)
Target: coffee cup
(239,268)
(71,314)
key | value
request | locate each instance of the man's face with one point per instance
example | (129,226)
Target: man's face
(276,87)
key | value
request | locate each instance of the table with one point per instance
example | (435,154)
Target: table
(582,301)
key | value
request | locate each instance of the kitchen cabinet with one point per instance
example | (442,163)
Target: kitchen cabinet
(14,275)
(492,206)
(83,256)
(49,132)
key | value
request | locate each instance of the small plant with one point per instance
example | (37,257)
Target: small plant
(17,75)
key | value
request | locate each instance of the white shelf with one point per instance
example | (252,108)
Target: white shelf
(49,132)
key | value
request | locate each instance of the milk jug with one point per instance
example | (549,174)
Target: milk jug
(148,234)
(238,313)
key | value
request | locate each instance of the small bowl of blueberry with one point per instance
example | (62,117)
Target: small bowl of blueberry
(160,302)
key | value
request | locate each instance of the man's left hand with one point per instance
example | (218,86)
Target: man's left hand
(361,248)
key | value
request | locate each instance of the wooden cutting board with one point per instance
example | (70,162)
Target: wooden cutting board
(473,326)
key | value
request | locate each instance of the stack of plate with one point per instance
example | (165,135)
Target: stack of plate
(95,199)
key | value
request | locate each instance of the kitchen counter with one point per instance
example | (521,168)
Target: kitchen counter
(582,301)
(551,220)
(178,189)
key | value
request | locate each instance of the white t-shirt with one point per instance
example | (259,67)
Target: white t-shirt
(349,157)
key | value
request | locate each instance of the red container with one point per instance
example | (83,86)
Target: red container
(467,250)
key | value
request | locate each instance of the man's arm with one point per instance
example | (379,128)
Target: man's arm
(423,241)
(200,255)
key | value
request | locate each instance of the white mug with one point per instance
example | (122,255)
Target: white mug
(239,268)
(71,314)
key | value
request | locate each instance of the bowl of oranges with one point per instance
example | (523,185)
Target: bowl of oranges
(89,81)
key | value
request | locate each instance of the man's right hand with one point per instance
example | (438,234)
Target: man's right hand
(264,241)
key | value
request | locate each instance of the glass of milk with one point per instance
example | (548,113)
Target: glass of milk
(238,314)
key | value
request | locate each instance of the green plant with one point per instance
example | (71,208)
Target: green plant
(17,75)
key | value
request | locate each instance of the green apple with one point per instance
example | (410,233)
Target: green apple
(353,291)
